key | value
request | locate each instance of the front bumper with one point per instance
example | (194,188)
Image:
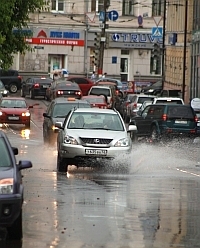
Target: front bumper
(14,203)
(78,151)
(22,120)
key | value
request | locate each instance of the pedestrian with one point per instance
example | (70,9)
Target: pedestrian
(104,75)
(93,77)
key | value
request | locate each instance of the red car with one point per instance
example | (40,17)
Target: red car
(14,110)
(96,101)
(84,83)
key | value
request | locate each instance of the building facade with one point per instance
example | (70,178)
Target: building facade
(195,53)
(64,33)
(174,59)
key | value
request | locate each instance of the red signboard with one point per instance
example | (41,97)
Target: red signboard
(49,41)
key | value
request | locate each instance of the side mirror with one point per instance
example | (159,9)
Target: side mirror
(15,150)
(58,125)
(45,115)
(24,165)
(30,106)
(132,128)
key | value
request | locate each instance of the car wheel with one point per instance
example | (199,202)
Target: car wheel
(13,88)
(134,137)
(32,95)
(154,134)
(22,93)
(15,231)
(61,164)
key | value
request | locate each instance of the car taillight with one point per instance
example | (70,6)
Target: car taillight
(59,92)
(164,117)
(127,103)
(135,105)
(117,92)
(196,119)
(20,77)
(36,85)
(78,93)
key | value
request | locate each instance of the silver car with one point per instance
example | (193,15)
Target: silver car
(91,136)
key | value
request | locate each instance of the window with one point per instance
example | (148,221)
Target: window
(125,52)
(157,8)
(57,5)
(4,155)
(128,7)
(97,5)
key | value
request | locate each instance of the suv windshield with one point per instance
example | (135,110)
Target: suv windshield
(180,111)
(95,121)
(100,91)
(143,99)
(169,101)
(4,155)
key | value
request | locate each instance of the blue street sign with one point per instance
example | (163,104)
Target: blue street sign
(113,15)
(140,20)
(157,32)
(102,16)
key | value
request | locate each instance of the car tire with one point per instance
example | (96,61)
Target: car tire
(13,88)
(15,232)
(32,94)
(154,134)
(134,137)
(61,164)
(22,93)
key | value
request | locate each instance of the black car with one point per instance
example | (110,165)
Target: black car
(166,120)
(154,89)
(11,188)
(56,112)
(3,90)
(63,88)
(124,103)
(35,86)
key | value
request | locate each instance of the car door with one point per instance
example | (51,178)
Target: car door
(47,123)
(28,85)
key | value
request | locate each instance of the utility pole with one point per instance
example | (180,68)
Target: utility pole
(86,40)
(103,38)
(185,49)
(163,44)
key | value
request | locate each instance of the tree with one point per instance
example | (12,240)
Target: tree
(14,14)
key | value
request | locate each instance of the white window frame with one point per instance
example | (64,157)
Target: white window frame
(57,3)
(126,11)
(99,5)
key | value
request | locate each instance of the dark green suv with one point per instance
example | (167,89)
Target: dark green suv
(158,120)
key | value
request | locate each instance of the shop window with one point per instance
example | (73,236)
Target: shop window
(127,7)
(97,5)
(57,5)
(125,52)
(157,8)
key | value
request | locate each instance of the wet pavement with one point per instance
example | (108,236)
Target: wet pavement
(155,205)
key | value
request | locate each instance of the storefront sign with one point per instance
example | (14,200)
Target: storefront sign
(49,41)
(135,38)
(66,35)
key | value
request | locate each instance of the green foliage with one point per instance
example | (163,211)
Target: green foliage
(14,15)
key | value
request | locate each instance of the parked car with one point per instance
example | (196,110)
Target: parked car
(117,82)
(125,102)
(96,101)
(88,135)
(57,110)
(153,89)
(11,80)
(3,90)
(35,86)
(135,104)
(166,120)
(169,100)
(15,110)
(63,88)
(107,91)
(11,188)
(84,83)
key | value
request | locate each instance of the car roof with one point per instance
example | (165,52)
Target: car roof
(67,84)
(148,96)
(65,100)
(100,87)
(169,104)
(92,96)
(42,78)
(13,98)
(169,98)
(95,110)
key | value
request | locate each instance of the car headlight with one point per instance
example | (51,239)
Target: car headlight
(5,92)
(6,186)
(70,140)
(1,113)
(151,90)
(122,142)
(54,128)
(26,114)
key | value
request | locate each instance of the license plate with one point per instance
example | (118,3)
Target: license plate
(180,122)
(45,86)
(13,118)
(198,124)
(96,152)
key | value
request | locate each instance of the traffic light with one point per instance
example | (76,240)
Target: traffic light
(96,58)
(97,40)
(156,52)
(107,41)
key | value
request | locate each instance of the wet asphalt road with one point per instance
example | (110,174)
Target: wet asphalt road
(156,205)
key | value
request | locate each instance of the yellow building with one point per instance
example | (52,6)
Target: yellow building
(174,60)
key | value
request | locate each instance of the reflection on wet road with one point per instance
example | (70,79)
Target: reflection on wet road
(155,205)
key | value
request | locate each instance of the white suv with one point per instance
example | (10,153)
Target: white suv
(172,100)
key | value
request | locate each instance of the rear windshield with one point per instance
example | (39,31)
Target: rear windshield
(143,99)
(95,100)
(42,81)
(67,86)
(100,91)
(61,110)
(180,111)
(168,102)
